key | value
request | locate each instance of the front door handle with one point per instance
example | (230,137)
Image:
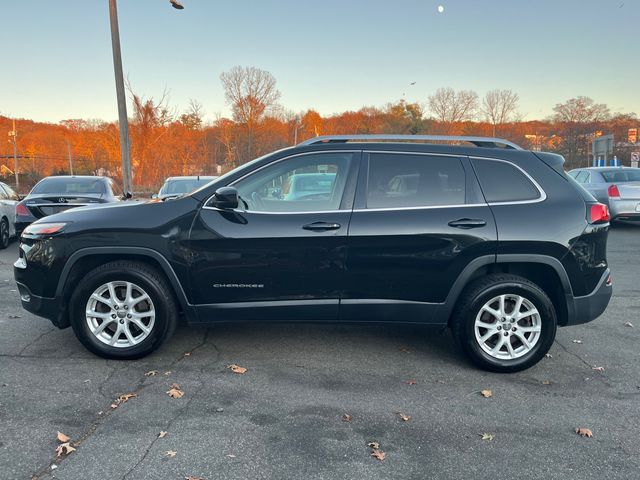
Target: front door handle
(321,226)
(467,223)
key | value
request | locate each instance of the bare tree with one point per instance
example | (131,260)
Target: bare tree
(250,92)
(500,107)
(194,116)
(450,107)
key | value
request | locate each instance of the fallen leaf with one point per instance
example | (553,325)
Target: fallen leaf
(374,445)
(168,372)
(162,434)
(577,341)
(628,324)
(237,369)
(14,316)
(598,369)
(230,455)
(411,382)
(404,350)
(170,453)
(548,355)
(404,417)
(151,373)
(175,392)
(486,436)
(346,417)
(188,354)
(122,399)
(379,454)
(486,393)
(546,382)
(62,438)
(64,449)
(584,432)
(192,477)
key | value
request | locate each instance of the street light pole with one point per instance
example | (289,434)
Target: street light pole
(14,134)
(125,145)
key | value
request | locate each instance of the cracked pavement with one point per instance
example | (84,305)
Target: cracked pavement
(283,418)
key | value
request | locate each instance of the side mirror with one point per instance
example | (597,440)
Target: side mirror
(155,195)
(226,198)
(127,196)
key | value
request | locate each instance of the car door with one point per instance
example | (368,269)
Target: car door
(419,220)
(277,256)
(8,201)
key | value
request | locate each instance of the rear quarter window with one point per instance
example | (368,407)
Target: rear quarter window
(503,182)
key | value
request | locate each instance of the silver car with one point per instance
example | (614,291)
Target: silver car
(617,187)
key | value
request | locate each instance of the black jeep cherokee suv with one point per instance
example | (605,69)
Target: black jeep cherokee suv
(496,242)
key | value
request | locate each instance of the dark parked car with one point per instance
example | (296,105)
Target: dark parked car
(616,187)
(496,242)
(56,194)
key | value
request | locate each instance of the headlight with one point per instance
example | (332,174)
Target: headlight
(44,228)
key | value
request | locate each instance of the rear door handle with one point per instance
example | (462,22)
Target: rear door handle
(321,226)
(467,223)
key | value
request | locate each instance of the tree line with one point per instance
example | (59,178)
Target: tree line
(168,142)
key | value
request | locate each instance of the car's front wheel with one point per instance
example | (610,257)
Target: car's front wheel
(4,233)
(504,323)
(123,310)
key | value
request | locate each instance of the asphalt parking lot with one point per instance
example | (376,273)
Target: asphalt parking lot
(283,418)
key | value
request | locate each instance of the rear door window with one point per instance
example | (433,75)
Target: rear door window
(503,182)
(409,180)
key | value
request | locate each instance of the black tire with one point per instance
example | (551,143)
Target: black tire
(154,285)
(4,234)
(484,290)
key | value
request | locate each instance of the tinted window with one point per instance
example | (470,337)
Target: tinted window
(618,176)
(3,194)
(69,186)
(398,180)
(299,184)
(503,182)
(184,185)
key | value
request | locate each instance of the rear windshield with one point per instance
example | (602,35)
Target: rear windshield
(60,186)
(182,186)
(618,176)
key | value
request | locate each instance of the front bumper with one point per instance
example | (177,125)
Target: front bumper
(589,307)
(48,308)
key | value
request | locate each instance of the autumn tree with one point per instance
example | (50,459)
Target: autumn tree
(450,107)
(250,92)
(500,107)
(576,121)
(403,117)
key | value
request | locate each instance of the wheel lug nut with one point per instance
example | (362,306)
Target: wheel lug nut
(499,327)
(113,315)
(116,307)
(129,316)
(122,320)
(126,307)
(506,334)
(513,329)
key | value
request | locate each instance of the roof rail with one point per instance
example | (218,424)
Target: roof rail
(486,142)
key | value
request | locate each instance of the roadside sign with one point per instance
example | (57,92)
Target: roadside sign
(633,135)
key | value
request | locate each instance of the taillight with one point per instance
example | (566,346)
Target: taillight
(613,191)
(599,213)
(22,210)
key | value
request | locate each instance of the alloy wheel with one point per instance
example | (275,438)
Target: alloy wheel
(508,327)
(120,314)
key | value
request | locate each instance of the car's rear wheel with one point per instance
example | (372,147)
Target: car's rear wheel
(504,323)
(4,233)
(123,310)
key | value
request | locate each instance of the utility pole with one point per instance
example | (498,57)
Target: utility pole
(13,134)
(70,158)
(125,145)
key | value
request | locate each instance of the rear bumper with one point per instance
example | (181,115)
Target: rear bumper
(589,307)
(48,308)
(625,210)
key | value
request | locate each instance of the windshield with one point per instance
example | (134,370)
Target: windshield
(621,176)
(182,186)
(69,186)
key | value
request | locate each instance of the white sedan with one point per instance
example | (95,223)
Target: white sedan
(8,201)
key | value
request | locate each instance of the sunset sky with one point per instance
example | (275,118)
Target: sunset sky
(330,55)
